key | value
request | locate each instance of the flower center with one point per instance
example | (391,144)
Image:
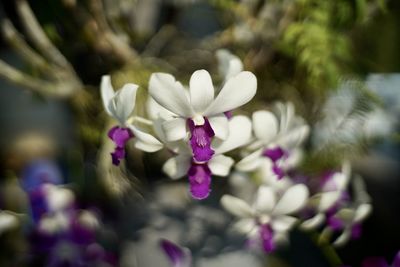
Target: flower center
(200,140)
(198,120)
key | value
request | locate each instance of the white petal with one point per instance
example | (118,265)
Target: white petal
(265,125)
(220,165)
(346,214)
(59,198)
(286,114)
(360,191)
(219,124)
(236,206)
(313,222)
(265,199)
(170,94)
(343,238)
(201,90)
(174,129)
(145,141)
(158,129)
(125,101)
(292,200)
(229,65)
(294,137)
(294,158)
(107,93)
(244,226)
(281,238)
(283,223)
(328,199)
(236,92)
(177,167)
(7,221)
(362,212)
(251,162)
(239,134)
(155,110)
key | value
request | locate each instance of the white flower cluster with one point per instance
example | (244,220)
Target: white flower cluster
(196,125)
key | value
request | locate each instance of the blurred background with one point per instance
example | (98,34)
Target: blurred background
(332,59)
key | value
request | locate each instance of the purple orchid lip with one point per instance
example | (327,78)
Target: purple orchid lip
(267,238)
(120,136)
(174,253)
(200,180)
(275,153)
(278,171)
(117,155)
(200,140)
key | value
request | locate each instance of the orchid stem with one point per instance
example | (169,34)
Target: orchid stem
(330,253)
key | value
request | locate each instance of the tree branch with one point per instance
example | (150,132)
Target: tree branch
(17,77)
(38,36)
(21,47)
(120,47)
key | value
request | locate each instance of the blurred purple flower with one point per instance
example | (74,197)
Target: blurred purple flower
(178,256)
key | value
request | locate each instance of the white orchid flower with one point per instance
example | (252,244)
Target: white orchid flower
(229,65)
(200,173)
(270,216)
(277,140)
(333,187)
(120,106)
(199,114)
(347,220)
